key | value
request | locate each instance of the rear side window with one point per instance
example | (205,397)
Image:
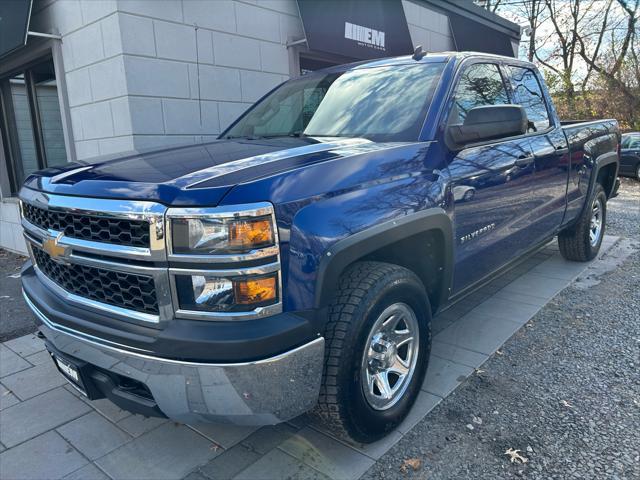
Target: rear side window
(527,92)
(480,84)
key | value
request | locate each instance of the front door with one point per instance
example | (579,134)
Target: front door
(490,184)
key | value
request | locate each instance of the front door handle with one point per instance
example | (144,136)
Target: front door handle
(524,161)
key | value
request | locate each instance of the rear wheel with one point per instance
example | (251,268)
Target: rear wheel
(377,339)
(581,242)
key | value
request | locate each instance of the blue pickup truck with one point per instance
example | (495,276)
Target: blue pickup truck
(295,263)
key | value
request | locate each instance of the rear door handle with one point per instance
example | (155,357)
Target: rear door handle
(560,150)
(524,161)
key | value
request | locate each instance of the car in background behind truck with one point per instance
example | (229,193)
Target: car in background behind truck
(630,155)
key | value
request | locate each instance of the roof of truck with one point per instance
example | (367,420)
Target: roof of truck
(433,57)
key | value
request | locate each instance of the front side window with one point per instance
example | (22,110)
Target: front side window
(387,103)
(527,92)
(480,85)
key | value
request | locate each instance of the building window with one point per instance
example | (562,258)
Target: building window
(31,121)
(308,64)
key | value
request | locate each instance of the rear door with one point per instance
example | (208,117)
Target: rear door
(548,181)
(491,183)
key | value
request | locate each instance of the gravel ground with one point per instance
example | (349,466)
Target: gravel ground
(624,210)
(565,390)
(15,317)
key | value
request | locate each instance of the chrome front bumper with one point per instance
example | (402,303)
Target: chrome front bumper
(262,392)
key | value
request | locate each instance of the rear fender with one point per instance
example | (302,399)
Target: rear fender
(603,161)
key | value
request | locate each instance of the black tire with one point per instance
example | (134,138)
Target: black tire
(638,172)
(365,290)
(575,243)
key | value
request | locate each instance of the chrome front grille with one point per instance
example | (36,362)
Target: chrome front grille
(94,228)
(133,280)
(124,290)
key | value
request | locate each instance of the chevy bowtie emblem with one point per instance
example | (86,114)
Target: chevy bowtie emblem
(56,251)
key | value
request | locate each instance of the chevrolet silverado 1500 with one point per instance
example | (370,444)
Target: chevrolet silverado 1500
(295,263)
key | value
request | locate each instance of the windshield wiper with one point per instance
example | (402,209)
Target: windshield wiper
(280,135)
(245,137)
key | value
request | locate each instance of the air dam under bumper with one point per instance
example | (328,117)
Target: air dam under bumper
(263,392)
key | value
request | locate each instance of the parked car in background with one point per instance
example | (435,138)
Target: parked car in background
(630,155)
(463,193)
(296,262)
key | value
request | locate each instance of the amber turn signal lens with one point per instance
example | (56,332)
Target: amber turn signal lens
(250,233)
(256,290)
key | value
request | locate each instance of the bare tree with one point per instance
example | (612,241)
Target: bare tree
(619,65)
(491,5)
(589,50)
(558,51)
(533,10)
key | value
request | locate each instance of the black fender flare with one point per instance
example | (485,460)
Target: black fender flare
(601,162)
(350,249)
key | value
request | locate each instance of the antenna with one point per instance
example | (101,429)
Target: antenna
(418,53)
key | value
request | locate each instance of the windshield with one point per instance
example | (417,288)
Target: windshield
(386,103)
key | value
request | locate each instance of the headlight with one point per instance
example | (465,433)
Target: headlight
(201,293)
(224,262)
(219,233)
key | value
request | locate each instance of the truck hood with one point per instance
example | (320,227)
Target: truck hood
(192,175)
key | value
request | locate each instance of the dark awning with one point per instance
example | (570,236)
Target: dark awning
(471,35)
(14,24)
(356,29)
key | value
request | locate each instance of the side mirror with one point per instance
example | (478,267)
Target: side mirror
(490,122)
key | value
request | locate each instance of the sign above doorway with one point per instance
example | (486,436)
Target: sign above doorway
(356,29)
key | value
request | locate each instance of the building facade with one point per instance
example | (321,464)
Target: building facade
(101,77)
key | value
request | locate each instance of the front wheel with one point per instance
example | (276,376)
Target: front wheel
(582,242)
(378,340)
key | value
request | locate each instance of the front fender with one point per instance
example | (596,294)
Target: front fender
(350,249)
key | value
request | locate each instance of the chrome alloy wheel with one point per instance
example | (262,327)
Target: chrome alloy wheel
(595,228)
(390,356)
